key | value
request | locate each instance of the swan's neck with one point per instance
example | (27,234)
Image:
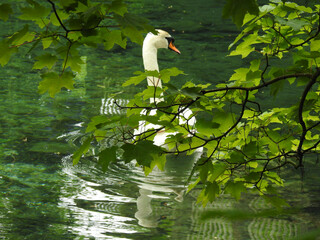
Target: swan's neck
(150,61)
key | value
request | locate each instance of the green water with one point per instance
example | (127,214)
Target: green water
(44,197)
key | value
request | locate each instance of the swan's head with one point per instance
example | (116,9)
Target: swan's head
(161,40)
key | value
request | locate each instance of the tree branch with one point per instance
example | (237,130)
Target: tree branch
(301,121)
(57,16)
(265,84)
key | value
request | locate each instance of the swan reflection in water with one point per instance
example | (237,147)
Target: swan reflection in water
(124,203)
(162,187)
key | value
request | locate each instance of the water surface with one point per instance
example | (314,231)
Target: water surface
(44,197)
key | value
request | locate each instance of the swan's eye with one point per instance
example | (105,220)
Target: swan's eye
(170,40)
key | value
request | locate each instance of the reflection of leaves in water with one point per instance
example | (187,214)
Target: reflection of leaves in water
(238,214)
(52,147)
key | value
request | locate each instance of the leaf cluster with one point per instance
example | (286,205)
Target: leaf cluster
(59,28)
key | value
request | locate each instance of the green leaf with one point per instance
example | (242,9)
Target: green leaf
(253,176)
(204,172)
(151,93)
(118,7)
(32,13)
(274,177)
(250,149)
(297,24)
(192,92)
(237,10)
(91,17)
(107,156)
(134,35)
(140,77)
(82,150)
(96,121)
(62,15)
(5,11)
(255,65)
(276,201)
(224,119)
(295,6)
(46,42)
(34,45)
(235,189)
(218,170)
(46,60)
(133,26)
(205,126)
(253,164)
(21,36)
(67,3)
(158,161)
(114,37)
(245,48)
(166,74)
(52,82)
(314,51)
(136,79)
(74,61)
(236,157)
(212,190)
(6,52)
(276,87)
(144,152)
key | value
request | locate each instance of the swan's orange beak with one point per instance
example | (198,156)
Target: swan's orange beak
(173,47)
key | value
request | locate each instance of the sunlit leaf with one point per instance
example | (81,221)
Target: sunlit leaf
(166,74)
(140,77)
(62,15)
(21,36)
(218,169)
(46,42)
(6,52)
(46,60)
(82,150)
(235,189)
(53,83)
(74,61)
(158,161)
(34,12)
(245,48)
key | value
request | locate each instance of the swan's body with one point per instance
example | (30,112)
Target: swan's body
(150,47)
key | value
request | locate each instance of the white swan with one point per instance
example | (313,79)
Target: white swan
(150,47)
(146,214)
